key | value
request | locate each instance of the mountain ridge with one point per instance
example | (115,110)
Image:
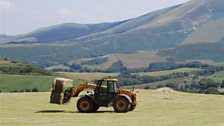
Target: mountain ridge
(197,23)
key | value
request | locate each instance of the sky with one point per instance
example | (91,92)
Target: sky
(22,16)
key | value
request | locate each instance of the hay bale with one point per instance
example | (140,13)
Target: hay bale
(58,90)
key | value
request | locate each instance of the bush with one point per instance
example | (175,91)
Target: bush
(21,90)
(212,90)
(160,86)
(146,87)
(0,91)
(171,85)
(35,90)
(27,90)
(14,91)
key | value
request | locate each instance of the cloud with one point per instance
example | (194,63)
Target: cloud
(6,5)
(65,12)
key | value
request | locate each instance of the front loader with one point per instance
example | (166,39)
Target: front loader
(106,93)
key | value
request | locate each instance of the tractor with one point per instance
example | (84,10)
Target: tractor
(106,93)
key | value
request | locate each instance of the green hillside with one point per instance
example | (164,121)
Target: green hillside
(210,32)
(16,67)
(213,51)
(20,76)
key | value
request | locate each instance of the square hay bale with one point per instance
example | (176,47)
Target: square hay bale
(59,87)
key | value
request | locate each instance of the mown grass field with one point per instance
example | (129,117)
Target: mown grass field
(155,108)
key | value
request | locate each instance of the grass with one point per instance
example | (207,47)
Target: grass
(60,67)
(167,72)
(153,85)
(20,82)
(17,67)
(154,109)
(221,89)
(217,64)
(204,30)
(218,77)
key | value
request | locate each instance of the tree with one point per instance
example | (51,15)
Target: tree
(159,86)
(75,67)
(171,85)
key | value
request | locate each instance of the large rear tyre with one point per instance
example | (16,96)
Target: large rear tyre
(85,105)
(121,104)
(132,108)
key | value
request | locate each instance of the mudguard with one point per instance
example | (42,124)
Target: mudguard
(87,96)
(126,97)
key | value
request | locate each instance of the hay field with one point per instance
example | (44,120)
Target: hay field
(156,108)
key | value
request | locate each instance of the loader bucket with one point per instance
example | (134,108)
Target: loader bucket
(61,91)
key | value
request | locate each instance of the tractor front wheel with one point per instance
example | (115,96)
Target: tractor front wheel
(121,104)
(132,108)
(95,107)
(85,105)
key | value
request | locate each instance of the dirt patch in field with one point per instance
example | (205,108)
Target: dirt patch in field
(3,62)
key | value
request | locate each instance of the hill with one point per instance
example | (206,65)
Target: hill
(19,77)
(183,23)
(16,67)
(56,33)
(200,51)
(170,29)
(159,107)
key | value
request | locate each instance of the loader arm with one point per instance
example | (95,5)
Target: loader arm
(75,91)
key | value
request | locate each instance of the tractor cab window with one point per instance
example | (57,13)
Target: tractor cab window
(112,87)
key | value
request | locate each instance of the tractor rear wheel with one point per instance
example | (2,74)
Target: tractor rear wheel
(85,105)
(121,104)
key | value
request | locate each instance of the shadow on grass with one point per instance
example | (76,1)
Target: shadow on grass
(63,111)
(54,111)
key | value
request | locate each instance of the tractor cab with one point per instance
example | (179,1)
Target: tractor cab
(107,86)
(105,90)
